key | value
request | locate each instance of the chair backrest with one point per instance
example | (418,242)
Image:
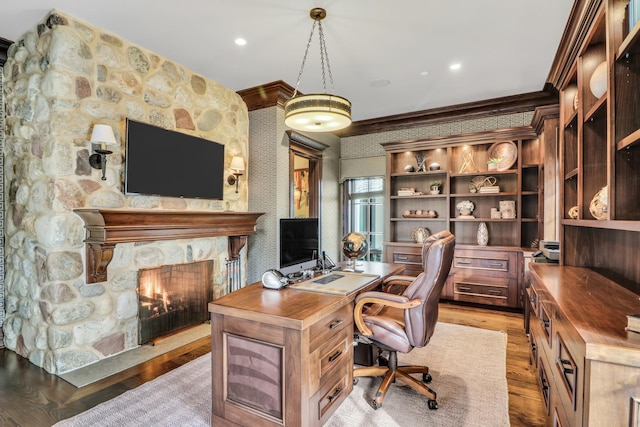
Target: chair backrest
(437,257)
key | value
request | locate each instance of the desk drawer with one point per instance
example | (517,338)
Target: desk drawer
(331,395)
(336,353)
(321,331)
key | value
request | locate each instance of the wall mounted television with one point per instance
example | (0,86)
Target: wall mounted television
(299,244)
(167,163)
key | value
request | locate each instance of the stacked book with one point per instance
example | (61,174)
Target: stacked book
(490,189)
(408,192)
(633,322)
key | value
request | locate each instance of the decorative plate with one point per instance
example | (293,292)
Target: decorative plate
(419,235)
(506,151)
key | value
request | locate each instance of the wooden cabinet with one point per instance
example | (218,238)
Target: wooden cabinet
(462,160)
(588,365)
(597,72)
(461,168)
(485,275)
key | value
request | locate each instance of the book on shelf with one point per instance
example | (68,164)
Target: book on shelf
(633,322)
(490,189)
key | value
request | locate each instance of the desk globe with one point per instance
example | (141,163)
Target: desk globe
(354,246)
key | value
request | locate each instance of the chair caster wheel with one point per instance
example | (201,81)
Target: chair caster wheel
(376,405)
(427,378)
(355,380)
(433,405)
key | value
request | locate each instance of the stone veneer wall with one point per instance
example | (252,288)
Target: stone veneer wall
(60,79)
(2,315)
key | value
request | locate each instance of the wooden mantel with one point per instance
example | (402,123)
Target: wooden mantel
(108,227)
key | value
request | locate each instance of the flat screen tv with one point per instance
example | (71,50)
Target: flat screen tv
(167,163)
(299,244)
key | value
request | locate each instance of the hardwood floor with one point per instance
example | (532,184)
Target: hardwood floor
(31,397)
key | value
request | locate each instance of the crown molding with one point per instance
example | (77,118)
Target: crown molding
(472,110)
(541,114)
(582,15)
(277,93)
(267,95)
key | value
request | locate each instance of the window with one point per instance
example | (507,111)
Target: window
(364,212)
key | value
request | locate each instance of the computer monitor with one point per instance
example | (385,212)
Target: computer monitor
(299,244)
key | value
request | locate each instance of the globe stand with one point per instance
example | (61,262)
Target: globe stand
(352,263)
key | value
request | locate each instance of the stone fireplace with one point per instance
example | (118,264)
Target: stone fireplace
(70,298)
(173,297)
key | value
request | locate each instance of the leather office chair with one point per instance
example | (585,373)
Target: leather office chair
(402,322)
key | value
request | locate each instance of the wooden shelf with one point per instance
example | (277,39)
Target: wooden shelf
(571,174)
(628,141)
(630,42)
(501,194)
(108,227)
(598,108)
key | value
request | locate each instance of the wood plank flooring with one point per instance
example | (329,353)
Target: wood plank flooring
(30,397)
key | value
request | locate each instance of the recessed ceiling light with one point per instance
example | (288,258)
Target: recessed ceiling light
(380,83)
(240,41)
(424,73)
(455,66)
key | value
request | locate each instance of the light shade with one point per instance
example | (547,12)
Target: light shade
(237,164)
(103,134)
(317,113)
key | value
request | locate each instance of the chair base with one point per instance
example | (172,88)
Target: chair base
(394,372)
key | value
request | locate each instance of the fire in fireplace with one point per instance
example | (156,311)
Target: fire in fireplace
(173,297)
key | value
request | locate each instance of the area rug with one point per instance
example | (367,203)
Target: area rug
(469,375)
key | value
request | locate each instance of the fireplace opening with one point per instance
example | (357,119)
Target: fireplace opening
(173,297)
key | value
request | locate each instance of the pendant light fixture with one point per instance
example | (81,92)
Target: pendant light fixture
(319,112)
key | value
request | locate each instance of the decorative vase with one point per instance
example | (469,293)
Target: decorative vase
(483,234)
(598,81)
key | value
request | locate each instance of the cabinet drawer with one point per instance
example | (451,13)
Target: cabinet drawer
(407,258)
(331,395)
(502,263)
(482,293)
(330,325)
(332,355)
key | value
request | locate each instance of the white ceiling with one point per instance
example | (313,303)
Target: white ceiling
(505,47)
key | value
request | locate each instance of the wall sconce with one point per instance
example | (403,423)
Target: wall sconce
(103,135)
(237,166)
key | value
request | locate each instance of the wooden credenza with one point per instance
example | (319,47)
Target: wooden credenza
(588,365)
(283,357)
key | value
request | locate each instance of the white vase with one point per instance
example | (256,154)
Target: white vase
(483,234)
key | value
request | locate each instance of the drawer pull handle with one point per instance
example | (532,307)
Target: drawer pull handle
(335,355)
(402,258)
(495,264)
(335,394)
(564,363)
(494,292)
(336,324)
(464,262)
(464,288)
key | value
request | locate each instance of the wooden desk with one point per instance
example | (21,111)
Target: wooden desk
(283,357)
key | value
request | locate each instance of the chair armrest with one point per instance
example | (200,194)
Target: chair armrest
(400,280)
(380,298)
